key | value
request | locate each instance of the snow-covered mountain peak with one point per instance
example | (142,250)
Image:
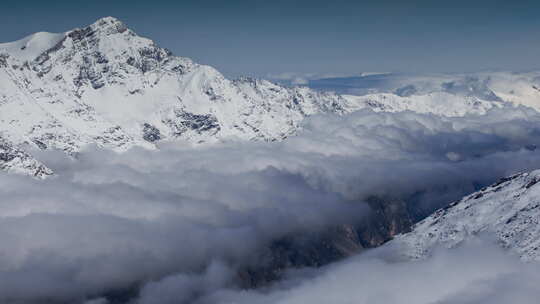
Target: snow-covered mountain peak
(30,47)
(109,25)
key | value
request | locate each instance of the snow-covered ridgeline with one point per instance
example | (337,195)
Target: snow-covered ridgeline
(509,209)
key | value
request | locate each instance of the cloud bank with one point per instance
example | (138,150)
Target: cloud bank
(183,220)
(476,272)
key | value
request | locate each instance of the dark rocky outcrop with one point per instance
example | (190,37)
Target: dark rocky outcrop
(388,218)
(151,133)
(3,60)
(198,123)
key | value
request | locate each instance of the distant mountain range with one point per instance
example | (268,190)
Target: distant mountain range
(442,94)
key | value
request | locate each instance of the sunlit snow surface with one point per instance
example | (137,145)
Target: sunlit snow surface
(29,48)
(509,209)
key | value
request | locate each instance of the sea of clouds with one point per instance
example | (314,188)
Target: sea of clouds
(476,272)
(175,225)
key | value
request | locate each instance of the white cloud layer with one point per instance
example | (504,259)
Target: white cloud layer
(186,218)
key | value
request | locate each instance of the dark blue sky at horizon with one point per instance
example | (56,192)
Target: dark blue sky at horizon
(259,38)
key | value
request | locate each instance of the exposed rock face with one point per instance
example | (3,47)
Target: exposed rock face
(151,133)
(195,123)
(3,60)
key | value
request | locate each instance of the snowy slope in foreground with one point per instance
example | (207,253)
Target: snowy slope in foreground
(509,209)
(105,85)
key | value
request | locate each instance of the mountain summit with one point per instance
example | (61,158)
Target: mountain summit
(105,85)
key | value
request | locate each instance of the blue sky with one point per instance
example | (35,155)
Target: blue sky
(259,38)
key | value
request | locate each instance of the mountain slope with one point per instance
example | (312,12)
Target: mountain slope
(13,159)
(105,85)
(509,209)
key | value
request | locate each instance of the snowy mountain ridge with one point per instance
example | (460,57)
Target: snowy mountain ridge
(105,85)
(509,209)
(440,94)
